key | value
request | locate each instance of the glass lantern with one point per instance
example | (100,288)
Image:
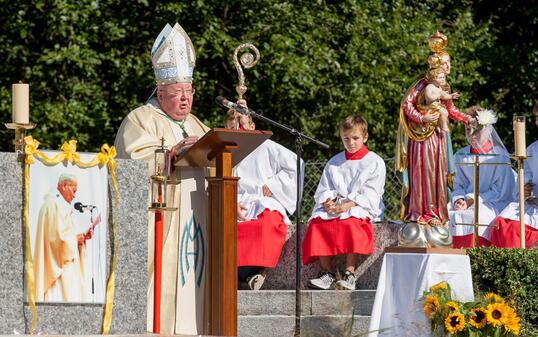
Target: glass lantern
(160,177)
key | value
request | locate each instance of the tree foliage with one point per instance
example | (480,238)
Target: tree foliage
(88,61)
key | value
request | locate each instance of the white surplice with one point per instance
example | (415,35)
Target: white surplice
(185,240)
(531,175)
(273,165)
(362,181)
(496,184)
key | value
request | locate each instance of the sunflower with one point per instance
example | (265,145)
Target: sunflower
(512,321)
(478,317)
(494,297)
(440,285)
(452,306)
(431,304)
(496,314)
(454,322)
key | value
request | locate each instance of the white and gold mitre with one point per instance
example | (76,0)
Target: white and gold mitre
(173,56)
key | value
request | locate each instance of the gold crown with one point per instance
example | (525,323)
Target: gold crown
(437,42)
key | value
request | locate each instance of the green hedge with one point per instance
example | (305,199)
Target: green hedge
(513,274)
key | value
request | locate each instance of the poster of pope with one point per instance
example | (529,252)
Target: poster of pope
(67,214)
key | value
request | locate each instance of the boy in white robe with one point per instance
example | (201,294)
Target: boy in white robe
(506,231)
(267,190)
(348,199)
(496,182)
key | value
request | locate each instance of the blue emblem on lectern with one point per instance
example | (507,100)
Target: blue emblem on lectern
(192,251)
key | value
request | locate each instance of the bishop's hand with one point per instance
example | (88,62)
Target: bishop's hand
(185,144)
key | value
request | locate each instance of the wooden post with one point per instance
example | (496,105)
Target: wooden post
(222,264)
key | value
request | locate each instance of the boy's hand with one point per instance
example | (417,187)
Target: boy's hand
(469,202)
(266,191)
(241,209)
(528,189)
(339,209)
(328,205)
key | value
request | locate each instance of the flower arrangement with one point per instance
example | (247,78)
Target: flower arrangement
(488,315)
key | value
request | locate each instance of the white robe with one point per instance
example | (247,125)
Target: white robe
(59,276)
(496,184)
(362,181)
(185,239)
(273,165)
(531,174)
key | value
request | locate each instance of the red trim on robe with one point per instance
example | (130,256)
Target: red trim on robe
(336,237)
(357,155)
(486,148)
(260,241)
(467,241)
(505,234)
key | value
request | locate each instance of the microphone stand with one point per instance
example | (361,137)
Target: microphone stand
(299,138)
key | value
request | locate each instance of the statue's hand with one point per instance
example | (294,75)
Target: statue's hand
(429,118)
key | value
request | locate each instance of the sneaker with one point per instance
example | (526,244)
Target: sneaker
(325,281)
(347,282)
(255,282)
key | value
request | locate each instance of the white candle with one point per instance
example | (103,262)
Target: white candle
(519,136)
(21,103)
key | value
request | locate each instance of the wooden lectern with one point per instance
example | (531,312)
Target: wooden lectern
(223,149)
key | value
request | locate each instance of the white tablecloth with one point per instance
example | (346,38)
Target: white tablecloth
(403,278)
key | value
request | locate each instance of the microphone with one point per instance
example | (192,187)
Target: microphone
(81,208)
(231,105)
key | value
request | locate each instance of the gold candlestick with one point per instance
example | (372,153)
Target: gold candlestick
(20,133)
(520,155)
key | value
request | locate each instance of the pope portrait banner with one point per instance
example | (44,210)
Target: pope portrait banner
(66,219)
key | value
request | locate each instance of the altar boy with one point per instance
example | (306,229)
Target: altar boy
(348,199)
(267,190)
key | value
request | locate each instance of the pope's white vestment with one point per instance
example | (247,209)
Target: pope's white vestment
(59,275)
(185,234)
(496,185)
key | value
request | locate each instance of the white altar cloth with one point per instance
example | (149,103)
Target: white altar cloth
(403,278)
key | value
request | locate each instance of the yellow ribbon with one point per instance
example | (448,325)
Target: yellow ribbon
(28,261)
(69,154)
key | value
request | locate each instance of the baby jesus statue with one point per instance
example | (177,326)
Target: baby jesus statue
(434,93)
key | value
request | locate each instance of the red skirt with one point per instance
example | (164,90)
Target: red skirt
(337,237)
(467,241)
(260,241)
(505,234)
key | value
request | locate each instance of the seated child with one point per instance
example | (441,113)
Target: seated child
(348,199)
(266,190)
(434,93)
(496,181)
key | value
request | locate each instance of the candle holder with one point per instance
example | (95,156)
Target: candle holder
(520,154)
(20,133)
